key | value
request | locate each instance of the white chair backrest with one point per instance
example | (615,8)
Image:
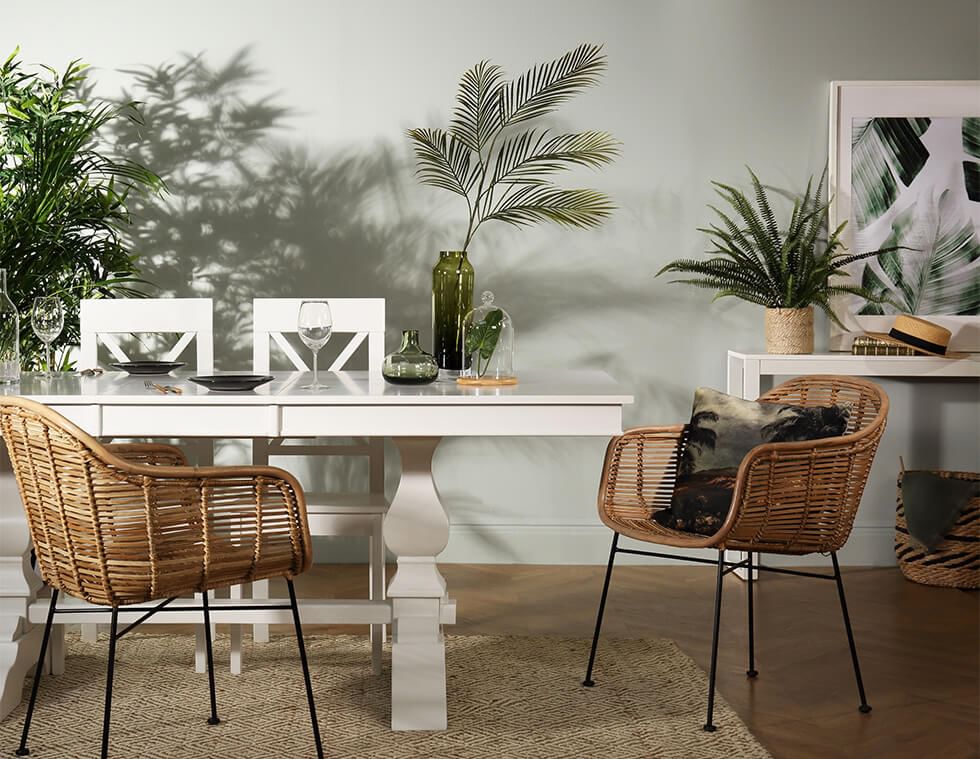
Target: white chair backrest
(274,318)
(104,318)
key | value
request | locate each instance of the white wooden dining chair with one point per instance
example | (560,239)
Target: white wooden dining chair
(104,320)
(359,320)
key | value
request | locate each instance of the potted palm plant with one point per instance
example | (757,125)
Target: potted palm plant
(63,198)
(788,270)
(504,170)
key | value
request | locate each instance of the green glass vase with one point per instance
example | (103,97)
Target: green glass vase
(452,299)
(410,365)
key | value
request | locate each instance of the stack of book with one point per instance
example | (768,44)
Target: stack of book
(870,346)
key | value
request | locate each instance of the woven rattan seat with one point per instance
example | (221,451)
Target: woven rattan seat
(125,524)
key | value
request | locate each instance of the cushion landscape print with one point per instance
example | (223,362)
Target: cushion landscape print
(722,430)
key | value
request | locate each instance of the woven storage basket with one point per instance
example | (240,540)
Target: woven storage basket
(954,563)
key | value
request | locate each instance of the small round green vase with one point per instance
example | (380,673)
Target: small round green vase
(410,365)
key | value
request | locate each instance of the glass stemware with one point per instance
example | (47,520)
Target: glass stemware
(314,326)
(47,319)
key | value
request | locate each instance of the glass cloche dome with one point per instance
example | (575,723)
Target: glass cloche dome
(488,339)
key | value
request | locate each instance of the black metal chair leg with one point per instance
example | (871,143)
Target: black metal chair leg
(38,670)
(709,724)
(589,682)
(213,719)
(751,671)
(864,708)
(113,634)
(306,669)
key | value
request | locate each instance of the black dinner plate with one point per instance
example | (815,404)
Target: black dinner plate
(148,367)
(232,382)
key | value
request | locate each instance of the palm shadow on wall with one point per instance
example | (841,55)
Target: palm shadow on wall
(250,213)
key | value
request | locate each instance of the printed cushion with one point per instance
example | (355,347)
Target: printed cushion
(723,429)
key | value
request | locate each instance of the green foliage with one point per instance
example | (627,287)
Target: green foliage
(942,273)
(482,339)
(63,200)
(971,146)
(884,152)
(753,259)
(505,174)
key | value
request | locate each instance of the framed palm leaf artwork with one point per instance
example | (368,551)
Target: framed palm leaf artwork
(905,172)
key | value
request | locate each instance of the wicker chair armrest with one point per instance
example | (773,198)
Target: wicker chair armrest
(800,497)
(639,471)
(120,525)
(148,453)
(210,527)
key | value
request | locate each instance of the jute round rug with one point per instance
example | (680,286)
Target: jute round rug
(508,697)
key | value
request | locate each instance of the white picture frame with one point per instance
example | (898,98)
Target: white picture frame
(850,100)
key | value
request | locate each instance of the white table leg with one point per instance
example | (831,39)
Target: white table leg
(200,642)
(743,382)
(235,633)
(260,632)
(376,590)
(736,370)
(19,584)
(416,530)
(56,651)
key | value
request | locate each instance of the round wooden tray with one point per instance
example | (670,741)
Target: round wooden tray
(486,381)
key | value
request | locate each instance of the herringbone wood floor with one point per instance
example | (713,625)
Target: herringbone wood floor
(918,646)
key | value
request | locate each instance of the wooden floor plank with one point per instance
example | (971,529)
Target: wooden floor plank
(918,645)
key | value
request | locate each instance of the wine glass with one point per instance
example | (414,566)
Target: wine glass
(47,319)
(314,326)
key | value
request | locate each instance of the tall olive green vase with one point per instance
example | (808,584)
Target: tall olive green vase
(452,299)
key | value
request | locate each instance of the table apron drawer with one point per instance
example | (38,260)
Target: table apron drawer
(451,420)
(190,421)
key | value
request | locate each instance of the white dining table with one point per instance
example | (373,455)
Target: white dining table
(416,529)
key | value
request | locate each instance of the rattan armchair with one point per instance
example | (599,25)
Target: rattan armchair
(792,498)
(129,524)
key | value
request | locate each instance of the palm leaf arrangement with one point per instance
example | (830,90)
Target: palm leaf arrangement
(63,201)
(504,173)
(754,259)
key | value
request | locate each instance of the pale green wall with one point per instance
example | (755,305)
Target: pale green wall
(695,90)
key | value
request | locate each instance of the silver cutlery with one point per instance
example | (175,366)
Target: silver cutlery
(164,389)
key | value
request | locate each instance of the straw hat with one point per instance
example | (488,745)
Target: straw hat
(923,336)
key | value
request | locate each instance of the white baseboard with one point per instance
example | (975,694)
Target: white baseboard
(589,544)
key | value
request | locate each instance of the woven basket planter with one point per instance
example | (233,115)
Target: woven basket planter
(954,563)
(789,330)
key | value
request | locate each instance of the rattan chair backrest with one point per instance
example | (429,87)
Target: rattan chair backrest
(115,532)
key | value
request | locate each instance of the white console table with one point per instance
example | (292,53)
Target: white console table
(745,370)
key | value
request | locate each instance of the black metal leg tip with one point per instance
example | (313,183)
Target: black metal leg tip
(23,752)
(214,721)
(588,683)
(864,708)
(709,728)
(751,673)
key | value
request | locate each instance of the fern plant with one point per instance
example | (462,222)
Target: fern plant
(755,260)
(505,174)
